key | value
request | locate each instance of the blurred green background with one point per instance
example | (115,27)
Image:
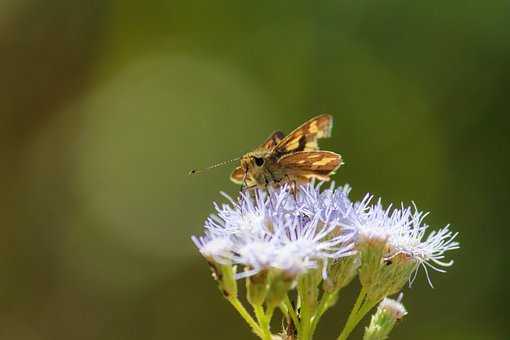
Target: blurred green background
(106,104)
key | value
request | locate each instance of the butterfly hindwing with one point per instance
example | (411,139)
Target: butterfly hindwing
(311,164)
(272,140)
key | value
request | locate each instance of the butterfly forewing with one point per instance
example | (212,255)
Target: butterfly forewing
(304,138)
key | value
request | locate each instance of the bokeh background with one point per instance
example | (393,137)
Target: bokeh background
(106,104)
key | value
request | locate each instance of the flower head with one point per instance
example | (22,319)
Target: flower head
(388,313)
(394,307)
(311,238)
(215,249)
(284,231)
(403,239)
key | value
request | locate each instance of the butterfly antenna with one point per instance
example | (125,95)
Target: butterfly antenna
(197,171)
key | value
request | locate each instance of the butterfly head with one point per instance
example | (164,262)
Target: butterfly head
(254,163)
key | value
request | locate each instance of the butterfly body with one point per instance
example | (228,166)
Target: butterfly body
(295,158)
(261,168)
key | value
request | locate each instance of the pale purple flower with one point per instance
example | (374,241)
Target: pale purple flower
(296,232)
(405,233)
(286,231)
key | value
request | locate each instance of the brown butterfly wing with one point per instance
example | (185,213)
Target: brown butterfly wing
(237,176)
(272,140)
(304,138)
(311,164)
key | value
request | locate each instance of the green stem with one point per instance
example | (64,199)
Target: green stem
(304,334)
(327,300)
(284,309)
(367,306)
(304,313)
(269,315)
(263,322)
(245,315)
(308,302)
(353,320)
(292,312)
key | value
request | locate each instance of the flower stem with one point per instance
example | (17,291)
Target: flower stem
(263,322)
(327,300)
(308,296)
(367,306)
(353,319)
(292,312)
(234,301)
(304,317)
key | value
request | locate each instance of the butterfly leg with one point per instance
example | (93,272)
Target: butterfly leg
(249,187)
(266,188)
(244,186)
(293,187)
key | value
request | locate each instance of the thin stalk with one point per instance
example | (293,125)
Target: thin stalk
(325,303)
(269,314)
(367,306)
(263,322)
(292,312)
(353,320)
(305,329)
(284,310)
(234,301)
(304,312)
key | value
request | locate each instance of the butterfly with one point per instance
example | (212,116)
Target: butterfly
(293,158)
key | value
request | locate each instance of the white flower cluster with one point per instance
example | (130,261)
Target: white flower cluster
(405,234)
(285,231)
(297,231)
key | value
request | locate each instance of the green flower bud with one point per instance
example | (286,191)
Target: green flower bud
(341,272)
(371,251)
(308,288)
(383,275)
(384,319)
(257,287)
(280,284)
(224,275)
(396,272)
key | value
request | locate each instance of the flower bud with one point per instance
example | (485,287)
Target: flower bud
(379,275)
(308,288)
(280,284)
(256,287)
(371,249)
(225,277)
(384,319)
(396,272)
(341,272)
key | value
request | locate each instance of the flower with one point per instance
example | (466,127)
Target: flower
(388,313)
(288,232)
(297,232)
(401,235)
(312,238)
(214,249)
(394,307)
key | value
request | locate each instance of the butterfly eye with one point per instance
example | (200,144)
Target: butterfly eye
(258,161)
